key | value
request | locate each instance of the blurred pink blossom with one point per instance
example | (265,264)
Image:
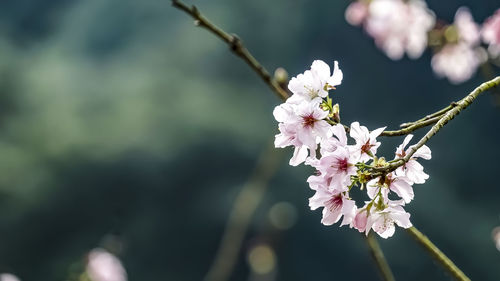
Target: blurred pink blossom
(104,266)
(490,32)
(468,29)
(496,236)
(8,277)
(457,62)
(356,13)
(459,59)
(399,27)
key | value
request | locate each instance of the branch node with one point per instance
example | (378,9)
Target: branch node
(235,42)
(195,10)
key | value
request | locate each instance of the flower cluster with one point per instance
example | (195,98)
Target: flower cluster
(311,124)
(459,56)
(397,26)
(408,26)
(491,34)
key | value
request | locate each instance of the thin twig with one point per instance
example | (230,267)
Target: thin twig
(236,46)
(378,257)
(421,123)
(449,115)
(411,128)
(241,214)
(437,254)
(433,115)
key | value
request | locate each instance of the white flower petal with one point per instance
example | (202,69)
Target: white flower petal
(321,69)
(299,155)
(337,76)
(403,189)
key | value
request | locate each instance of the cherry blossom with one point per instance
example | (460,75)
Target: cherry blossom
(401,185)
(308,122)
(315,83)
(413,170)
(338,165)
(385,212)
(490,32)
(335,205)
(330,144)
(366,142)
(300,125)
(382,220)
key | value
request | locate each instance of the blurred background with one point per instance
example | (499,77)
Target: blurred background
(125,127)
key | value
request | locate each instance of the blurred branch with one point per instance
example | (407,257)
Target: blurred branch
(240,217)
(443,120)
(437,254)
(236,46)
(378,257)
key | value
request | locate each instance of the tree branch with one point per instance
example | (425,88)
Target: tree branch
(236,46)
(449,115)
(437,254)
(430,116)
(412,127)
(421,123)
(378,257)
(242,212)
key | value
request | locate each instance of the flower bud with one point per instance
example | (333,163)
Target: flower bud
(336,113)
(281,75)
(360,220)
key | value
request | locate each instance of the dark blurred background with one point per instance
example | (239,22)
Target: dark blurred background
(120,120)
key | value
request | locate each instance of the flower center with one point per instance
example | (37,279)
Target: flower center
(312,92)
(308,120)
(335,203)
(342,164)
(366,147)
(402,154)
